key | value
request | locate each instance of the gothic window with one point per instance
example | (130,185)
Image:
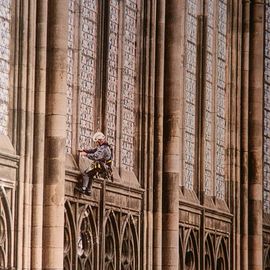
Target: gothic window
(5,33)
(70,72)
(267,110)
(215,98)
(222,256)
(128,249)
(121,79)
(87,69)
(113,71)
(191,27)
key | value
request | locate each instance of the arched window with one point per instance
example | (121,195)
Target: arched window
(205,96)
(5,33)
(215,98)
(103,81)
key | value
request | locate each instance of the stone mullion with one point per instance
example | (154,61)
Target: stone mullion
(39,135)
(255,133)
(171,174)
(54,179)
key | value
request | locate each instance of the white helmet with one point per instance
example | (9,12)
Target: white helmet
(98,136)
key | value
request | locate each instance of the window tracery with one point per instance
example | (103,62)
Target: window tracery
(5,33)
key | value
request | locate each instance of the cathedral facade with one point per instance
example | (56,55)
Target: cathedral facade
(181,89)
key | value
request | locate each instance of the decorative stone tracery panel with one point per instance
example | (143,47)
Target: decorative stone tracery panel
(5,33)
(129,249)
(111,242)
(267,110)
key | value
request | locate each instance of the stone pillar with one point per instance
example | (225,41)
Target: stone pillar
(255,140)
(54,182)
(39,135)
(172,83)
(158,150)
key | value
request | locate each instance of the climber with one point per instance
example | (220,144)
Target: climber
(101,165)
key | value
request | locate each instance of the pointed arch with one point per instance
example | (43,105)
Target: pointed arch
(6,222)
(111,252)
(209,253)
(267,258)
(129,245)
(191,251)
(87,240)
(69,238)
(222,262)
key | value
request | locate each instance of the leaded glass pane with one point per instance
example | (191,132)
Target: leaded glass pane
(209,104)
(70,73)
(87,78)
(112,67)
(190,92)
(5,17)
(267,111)
(128,85)
(220,99)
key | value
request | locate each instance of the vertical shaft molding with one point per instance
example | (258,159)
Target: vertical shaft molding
(255,185)
(54,182)
(170,223)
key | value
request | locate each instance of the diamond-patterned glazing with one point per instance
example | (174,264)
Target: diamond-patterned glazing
(209,104)
(220,99)
(112,67)
(128,84)
(267,110)
(5,17)
(190,92)
(70,73)
(88,59)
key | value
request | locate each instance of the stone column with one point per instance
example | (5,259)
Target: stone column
(170,221)
(54,182)
(158,149)
(39,135)
(255,140)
